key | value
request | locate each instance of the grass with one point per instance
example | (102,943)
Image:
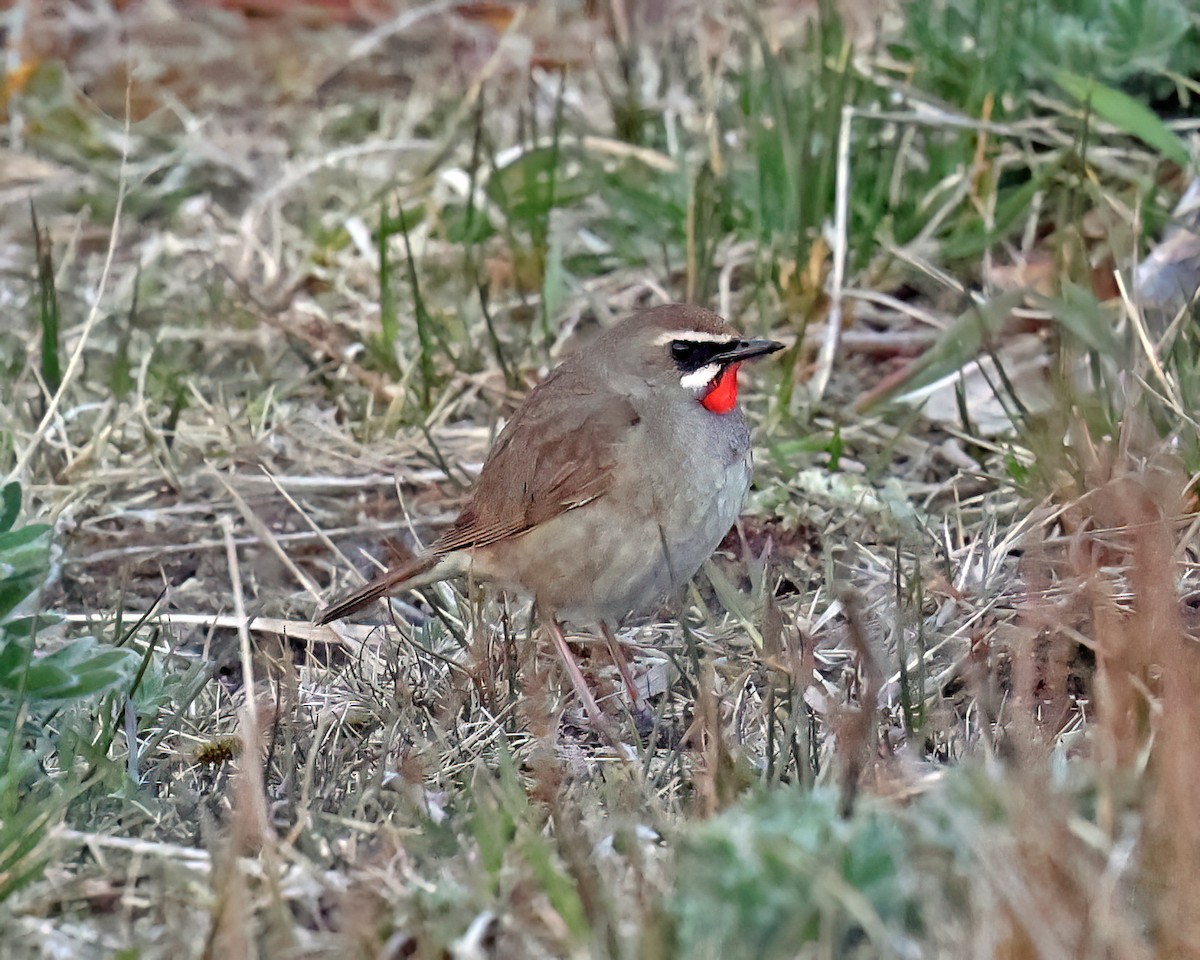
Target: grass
(935,695)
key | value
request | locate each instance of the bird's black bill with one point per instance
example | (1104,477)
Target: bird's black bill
(746,350)
(692,355)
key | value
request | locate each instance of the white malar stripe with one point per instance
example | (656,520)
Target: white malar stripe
(700,378)
(695,336)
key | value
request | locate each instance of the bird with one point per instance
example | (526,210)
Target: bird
(613,481)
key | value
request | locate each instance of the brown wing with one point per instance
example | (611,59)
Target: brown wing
(556,454)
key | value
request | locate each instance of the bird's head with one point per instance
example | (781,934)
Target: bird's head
(678,347)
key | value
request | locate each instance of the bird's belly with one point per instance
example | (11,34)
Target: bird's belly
(619,554)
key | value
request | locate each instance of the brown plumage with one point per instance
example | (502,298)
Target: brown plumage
(613,481)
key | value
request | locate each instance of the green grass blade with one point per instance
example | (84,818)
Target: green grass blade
(47,308)
(962,342)
(389,324)
(1122,111)
(424,321)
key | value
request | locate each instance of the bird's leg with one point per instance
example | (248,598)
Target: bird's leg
(618,655)
(577,678)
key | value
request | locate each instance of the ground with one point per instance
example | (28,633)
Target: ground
(277,274)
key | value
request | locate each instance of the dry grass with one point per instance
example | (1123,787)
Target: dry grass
(950,671)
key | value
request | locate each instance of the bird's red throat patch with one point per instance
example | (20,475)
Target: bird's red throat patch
(721,396)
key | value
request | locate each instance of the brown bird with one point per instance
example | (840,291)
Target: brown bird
(615,479)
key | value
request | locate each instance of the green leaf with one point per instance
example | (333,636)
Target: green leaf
(14,539)
(44,681)
(1122,111)
(19,627)
(10,505)
(14,590)
(12,657)
(783,871)
(24,564)
(80,669)
(26,814)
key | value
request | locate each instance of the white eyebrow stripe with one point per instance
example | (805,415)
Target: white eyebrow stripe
(699,378)
(696,336)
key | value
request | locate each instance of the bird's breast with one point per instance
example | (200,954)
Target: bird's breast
(675,494)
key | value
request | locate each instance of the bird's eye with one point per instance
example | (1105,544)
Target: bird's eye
(682,351)
(691,355)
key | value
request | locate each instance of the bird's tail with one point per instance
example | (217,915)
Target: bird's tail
(417,572)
